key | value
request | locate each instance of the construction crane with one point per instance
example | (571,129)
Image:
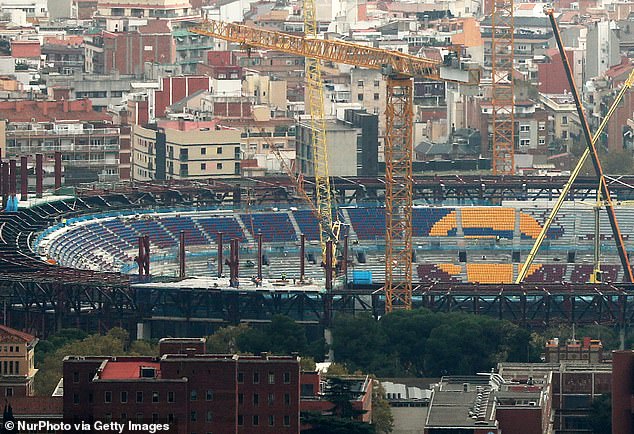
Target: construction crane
(591,151)
(502,87)
(399,69)
(329,226)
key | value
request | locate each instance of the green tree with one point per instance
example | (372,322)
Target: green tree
(321,424)
(382,418)
(225,339)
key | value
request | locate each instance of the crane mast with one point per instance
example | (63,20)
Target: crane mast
(314,106)
(400,68)
(502,87)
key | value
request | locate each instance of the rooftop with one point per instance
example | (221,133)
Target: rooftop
(8,331)
(128,370)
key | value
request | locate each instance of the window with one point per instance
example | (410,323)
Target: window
(170,396)
(256,399)
(108,417)
(360,97)
(193,396)
(203,151)
(542,126)
(271,399)
(219,150)
(564,120)
(271,420)
(8,391)
(203,166)
(240,420)
(287,378)
(219,166)
(124,397)
(271,378)
(155,397)
(287,421)
(75,398)
(210,416)
(287,399)
(360,83)
(107,397)
(542,141)
(210,395)
(376,97)
(240,377)
(155,417)
(75,377)
(170,417)
(256,420)
(89,397)
(240,398)
(564,135)
(193,416)
(124,417)
(525,142)
(376,83)
(525,128)
(139,397)
(256,378)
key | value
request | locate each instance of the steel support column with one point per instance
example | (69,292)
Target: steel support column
(220,247)
(58,170)
(24,179)
(181,255)
(39,175)
(398,193)
(13,168)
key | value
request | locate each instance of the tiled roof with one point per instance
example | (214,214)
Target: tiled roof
(126,370)
(17,333)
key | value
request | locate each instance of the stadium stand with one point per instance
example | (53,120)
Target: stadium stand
(446,226)
(229,227)
(490,273)
(424,219)
(430,273)
(368,223)
(307,223)
(275,227)
(488,222)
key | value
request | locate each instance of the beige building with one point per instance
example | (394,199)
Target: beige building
(185,150)
(144,8)
(565,125)
(368,88)
(17,368)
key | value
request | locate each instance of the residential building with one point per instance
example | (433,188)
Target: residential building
(126,51)
(368,89)
(490,403)
(34,9)
(352,143)
(191,392)
(602,50)
(575,384)
(564,126)
(64,56)
(87,139)
(103,90)
(17,368)
(185,150)
(153,9)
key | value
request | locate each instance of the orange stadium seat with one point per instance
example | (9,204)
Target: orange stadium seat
(490,273)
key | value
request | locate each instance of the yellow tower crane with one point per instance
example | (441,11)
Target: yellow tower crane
(399,69)
(329,225)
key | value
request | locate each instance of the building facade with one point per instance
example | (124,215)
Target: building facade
(185,150)
(193,392)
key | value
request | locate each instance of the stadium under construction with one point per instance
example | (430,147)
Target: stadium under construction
(83,260)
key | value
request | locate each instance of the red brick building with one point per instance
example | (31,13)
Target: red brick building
(127,52)
(192,392)
(622,392)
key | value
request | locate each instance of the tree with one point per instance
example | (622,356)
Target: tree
(382,418)
(321,424)
(225,339)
